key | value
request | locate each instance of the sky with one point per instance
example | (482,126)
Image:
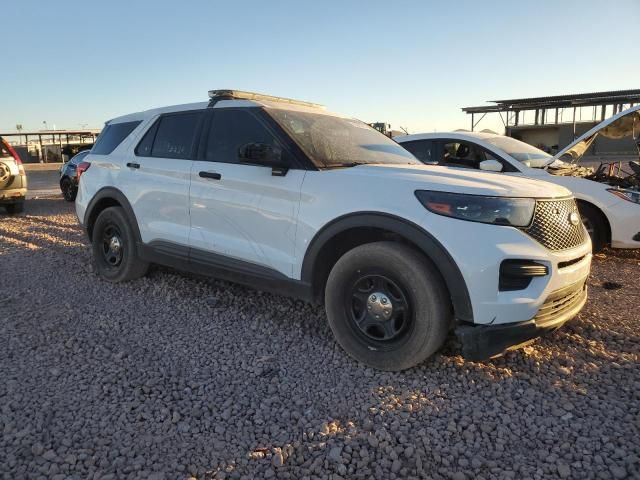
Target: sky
(74,64)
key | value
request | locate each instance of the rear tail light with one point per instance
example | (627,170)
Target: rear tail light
(81,168)
(15,155)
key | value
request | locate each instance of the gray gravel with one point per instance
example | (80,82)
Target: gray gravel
(175,376)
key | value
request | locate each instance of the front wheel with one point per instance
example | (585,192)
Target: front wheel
(387,306)
(595,224)
(114,247)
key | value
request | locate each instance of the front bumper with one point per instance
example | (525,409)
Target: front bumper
(624,220)
(481,342)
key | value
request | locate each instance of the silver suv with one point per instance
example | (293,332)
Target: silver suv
(13,179)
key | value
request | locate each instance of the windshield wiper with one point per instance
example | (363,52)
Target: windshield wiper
(345,164)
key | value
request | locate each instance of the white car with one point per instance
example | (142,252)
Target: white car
(284,196)
(608,196)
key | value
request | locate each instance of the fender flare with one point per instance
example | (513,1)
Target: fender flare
(110,193)
(422,239)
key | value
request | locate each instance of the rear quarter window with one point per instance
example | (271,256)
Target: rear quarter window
(112,136)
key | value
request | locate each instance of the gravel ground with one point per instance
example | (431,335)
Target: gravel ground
(175,376)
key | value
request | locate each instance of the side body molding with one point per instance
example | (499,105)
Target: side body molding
(411,232)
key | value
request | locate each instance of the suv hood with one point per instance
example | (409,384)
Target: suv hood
(623,124)
(458,180)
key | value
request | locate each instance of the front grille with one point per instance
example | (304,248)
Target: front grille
(561,301)
(552,227)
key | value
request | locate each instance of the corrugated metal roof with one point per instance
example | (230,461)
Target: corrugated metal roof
(623,94)
(577,99)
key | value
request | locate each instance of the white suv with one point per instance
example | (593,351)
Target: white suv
(285,196)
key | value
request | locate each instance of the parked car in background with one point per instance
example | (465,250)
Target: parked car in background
(284,196)
(69,175)
(13,179)
(608,196)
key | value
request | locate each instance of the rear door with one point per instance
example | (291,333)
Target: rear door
(423,150)
(241,214)
(158,176)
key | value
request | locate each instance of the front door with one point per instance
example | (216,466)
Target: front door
(242,213)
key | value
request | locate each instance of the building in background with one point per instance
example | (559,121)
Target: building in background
(551,123)
(49,146)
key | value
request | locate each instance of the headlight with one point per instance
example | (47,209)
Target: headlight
(629,195)
(516,212)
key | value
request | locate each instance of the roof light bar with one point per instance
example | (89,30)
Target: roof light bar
(240,95)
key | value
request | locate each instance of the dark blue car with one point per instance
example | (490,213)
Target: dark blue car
(69,176)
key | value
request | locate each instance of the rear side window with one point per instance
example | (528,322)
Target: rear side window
(232,129)
(172,136)
(422,150)
(112,136)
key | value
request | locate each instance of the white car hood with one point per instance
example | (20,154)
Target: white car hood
(459,180)
(623,124)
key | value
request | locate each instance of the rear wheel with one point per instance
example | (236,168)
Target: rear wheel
(114,247)
(595,224)
(69,190)
(14,208)
(387,306)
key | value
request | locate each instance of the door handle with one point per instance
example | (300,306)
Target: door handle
(133,165)
(212,175)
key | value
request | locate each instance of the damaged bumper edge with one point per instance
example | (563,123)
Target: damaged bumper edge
(482,342)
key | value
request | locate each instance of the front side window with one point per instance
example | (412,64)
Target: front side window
(462,154)
(231,130)
(111,136)
(331,141)
(172,136)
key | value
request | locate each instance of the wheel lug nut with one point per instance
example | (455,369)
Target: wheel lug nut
(373,298)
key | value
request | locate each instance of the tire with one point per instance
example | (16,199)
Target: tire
(69,190)
(420,314)
(14,208)
(595,223)
(115,249)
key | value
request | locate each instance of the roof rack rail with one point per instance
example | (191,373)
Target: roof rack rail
(241,95)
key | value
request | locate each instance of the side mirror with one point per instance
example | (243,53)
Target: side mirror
(264,155)
(491,166)
(527,163)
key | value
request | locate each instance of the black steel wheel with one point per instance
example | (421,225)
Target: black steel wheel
(115,248)
(112,245)
(379,308)
(387,305)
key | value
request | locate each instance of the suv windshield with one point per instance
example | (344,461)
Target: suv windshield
(340,142)
(521,151)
